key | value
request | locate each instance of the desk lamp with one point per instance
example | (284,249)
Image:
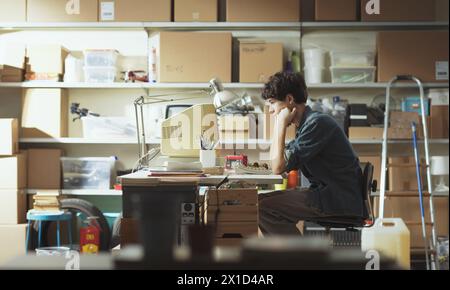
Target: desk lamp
(439,167)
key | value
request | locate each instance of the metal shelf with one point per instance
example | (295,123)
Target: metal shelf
(85,192)
(375,25)
(220,25)
(62,85)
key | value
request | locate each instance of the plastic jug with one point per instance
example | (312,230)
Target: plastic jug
(391,238)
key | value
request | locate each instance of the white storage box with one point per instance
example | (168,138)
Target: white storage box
(99,74)
(314,75)
(341,75)
(352,59)
(109,127)
(88,172)
(100,57)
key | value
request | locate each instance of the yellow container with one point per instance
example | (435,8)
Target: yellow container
(391,238)
(282,186)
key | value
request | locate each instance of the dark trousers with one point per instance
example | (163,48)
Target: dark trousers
(280,211)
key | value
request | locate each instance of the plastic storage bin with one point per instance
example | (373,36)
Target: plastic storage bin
(108,127)
(100,57)
(314,75)
(88,172)
(99,74)
(352,59)
(352,74)
(314,57)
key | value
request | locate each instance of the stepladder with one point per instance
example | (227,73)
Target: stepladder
(430,243)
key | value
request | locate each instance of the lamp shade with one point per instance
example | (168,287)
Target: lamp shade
(439,165)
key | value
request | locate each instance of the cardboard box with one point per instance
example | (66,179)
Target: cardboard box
(408,209)
(428,61)
(44,168)
(13,11)
(9,136)
(46,58)
(135,10)
(191,56)
(13,171)
(372,133)
(49,121)
(258,61)
(237,127)
(269,122)
(400,125)
(439,122)
(236,229)
(12,242)
(308,10)
(196,10)
(263,10)
(13,206)
(442,10)
(336,10)
(129,232)
(376,162)
(401,10)
(62,11)
(402,174)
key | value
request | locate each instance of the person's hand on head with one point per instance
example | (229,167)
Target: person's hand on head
(286,116)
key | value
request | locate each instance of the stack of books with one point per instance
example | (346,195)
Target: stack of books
(48,201)
(11,74)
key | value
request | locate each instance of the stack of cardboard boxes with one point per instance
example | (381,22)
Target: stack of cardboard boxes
(13,182)
(233,213)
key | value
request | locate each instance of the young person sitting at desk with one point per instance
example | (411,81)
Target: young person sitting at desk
(320,150)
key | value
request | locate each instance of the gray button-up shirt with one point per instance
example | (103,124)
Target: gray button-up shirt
(323,153)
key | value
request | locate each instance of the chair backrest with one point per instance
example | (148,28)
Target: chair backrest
(367,188)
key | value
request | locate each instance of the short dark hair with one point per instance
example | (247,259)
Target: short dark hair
(282,84)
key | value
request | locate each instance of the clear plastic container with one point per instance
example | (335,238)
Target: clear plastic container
(88,172)
(314,57)
(108,127)
(99,74)
(352,59)
(341,75)
(100,57)
(314,75)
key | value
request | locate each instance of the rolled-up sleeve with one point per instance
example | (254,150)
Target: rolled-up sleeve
(308,143)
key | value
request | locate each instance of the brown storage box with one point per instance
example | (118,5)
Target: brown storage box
(439,122)
(129,232)
(258,61)
(46,58)
(269,122)
(263,10)
(200,58)
(376,162)
(196,10)
(442,10)
(233,213)
(365,133)
(428,61)
(236,127)
(12,242)
(402,174)
(49,121)
(400,125)
(228,242)
(13,171)
(135,10)
(9,136)
(13,10)
(246,196)
(236,229)
(408,209)
(62,11)
(401,10)
(308,10)
(13,206)
(336,10)
(44,168)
